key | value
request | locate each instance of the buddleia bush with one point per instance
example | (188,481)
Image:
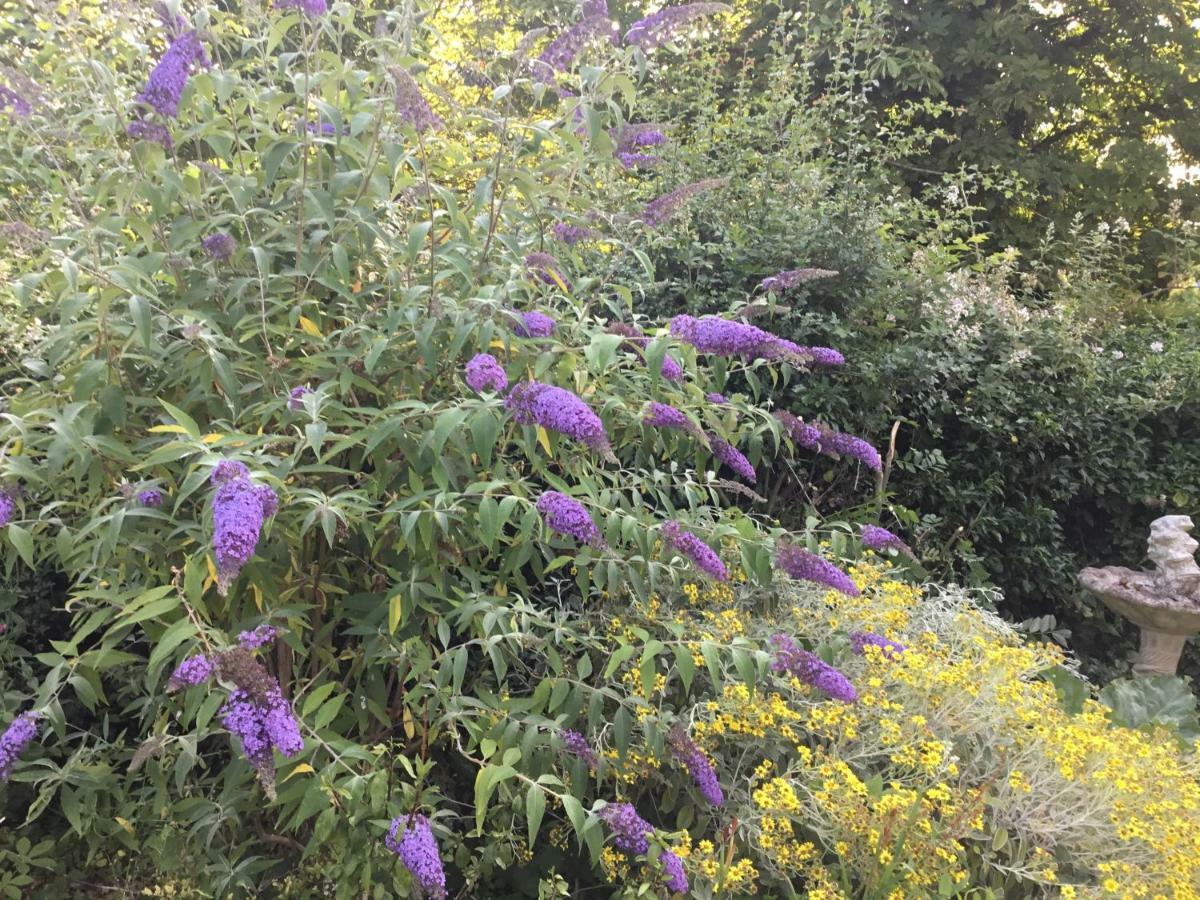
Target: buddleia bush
(404,557)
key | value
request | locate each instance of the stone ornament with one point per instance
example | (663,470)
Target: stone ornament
(1164,603)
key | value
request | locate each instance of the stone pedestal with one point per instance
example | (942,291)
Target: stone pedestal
(1159,653)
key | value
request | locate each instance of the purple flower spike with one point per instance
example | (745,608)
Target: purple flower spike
(790,659)
(411,104)
(654,31)
(219,246)
(875,537)
(151,498)
(296,397)
(829,442)
(567,516)
(16,737)
(659,210)
(732,457)
(723,337)
(630,831)
(418,851)
(534,324)
(557,409)
(673,868)
(861,640)
(563,50)
(252,640)
(684,749)
(168,79)
(566,233)
(701,555)
(192,671)
(484,373)
(239,510)
(671,370)
(784,281)
(17,102)
(547,270)
(805,566)
(660,415)
(718,399)
(8,506)
(262,727)
(308,7)
(155,132)
(823,356)
(577,745)
(634,160)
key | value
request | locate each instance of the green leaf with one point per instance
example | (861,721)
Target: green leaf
(535,808)
(22,540)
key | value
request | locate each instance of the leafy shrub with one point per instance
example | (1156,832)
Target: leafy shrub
(300,512)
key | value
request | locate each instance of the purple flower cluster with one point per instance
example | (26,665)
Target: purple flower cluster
(684,749)
(823,356)
(878,538)
(567,516)
(192,671)
(561,51)
(829,442)
(694,549)
(219,246)
(411,105)
(660,209)
(154,132)
(485,373)
(16,737)
(263,634)
(673,868)
(783,281)
(151,498)
(566,233)
(790,659)
(534,324)
(547,270)
(239,509)
(14,100)
(654,31)
(8,505)
(732,457)
(671,370)
(308,7)
(860,640)
(718,399)
(722,337)
(577,745)
(296,397)
(630,831)
(418,851)
(805,566)
(660,415)
(631,141)
(262,726)
(168,79)
(557,409)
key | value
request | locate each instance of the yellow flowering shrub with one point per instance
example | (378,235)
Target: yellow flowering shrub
(958,768)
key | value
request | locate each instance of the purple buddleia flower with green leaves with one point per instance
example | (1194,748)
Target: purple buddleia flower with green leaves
(219,246)
(484,373)
(659,210)
(534,324)
(308,7)
(165,85)
(804,565)
(17,736)
(630,831)
(662,415)
(829,442)
(878,538)
(239,510)
(411,838)
(568,516)
(151,498)
(861,640)
(791,659)
(577,745)
(296,397)
(655,30)
(192,671)
(566,233)
(732,457)
(411,105)
(561,52)
(685,750)
(783,281)
(155,132)
(260,636)
(8,505)
(715,398)
(724,337)
(673,868)
(557,409)
(262,726)
(547,270)
(701,555)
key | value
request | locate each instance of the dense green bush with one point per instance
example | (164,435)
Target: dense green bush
(295,510)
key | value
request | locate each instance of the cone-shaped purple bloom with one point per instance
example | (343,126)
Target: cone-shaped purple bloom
(561,51)
(723,337)
(192,671)
(654,31)
(877,538)
(557,409)
(16,737)
(783,281)
(534,324)
(296,397)
(262,727)
(659,210)
(411,104)
(790,659)
(485,373)
(8,506)
(701,555)
(577,745)
(829,442)
(568,516)
(239,510)
(684,749)
(252,640)
(219,246)
(566,233)
(418,851)
(732,457)
(168,79)
(630,831)
(660,415)
(308,7)
(673,868)
(547,270)
(805,566)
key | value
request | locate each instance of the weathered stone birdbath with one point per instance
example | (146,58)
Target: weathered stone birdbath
(1165,603)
